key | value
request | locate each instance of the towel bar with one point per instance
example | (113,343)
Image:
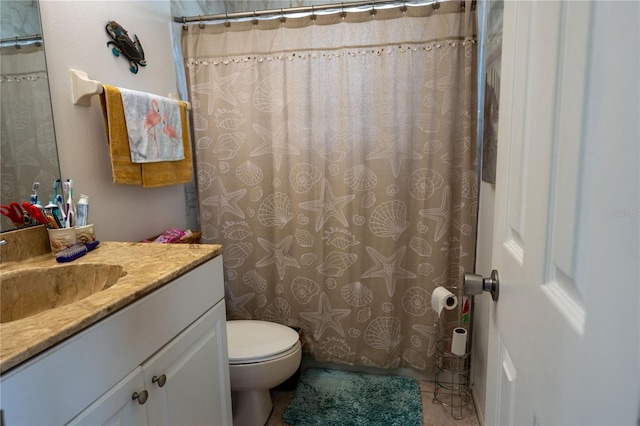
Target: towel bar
(82,89)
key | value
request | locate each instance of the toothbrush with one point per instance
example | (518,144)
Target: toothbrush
(72,208)
(62,216)
(70,191)
(34,196)
(65,209)
(56,204)
(56,188)
(65,194)
(68,188)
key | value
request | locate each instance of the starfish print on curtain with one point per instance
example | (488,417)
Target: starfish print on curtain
(273,143)
(443,214)
(326,317)
(443,84)
(389,148)
(226,201)
(216,88)
(328,206)
(278,254)
(23,153)
(388,268)
(236,303)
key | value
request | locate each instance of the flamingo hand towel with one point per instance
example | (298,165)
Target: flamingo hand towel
(154,127)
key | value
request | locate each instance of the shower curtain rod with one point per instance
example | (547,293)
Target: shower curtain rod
(307,9)
(36,37)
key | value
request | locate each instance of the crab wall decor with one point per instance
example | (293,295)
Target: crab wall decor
(122,44)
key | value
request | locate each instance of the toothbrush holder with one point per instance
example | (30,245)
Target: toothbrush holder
(85,234)
(61,238)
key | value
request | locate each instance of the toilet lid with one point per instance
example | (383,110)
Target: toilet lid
(252,340)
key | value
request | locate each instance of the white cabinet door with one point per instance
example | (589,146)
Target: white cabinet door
(563,345)
(117,407)
(194,369)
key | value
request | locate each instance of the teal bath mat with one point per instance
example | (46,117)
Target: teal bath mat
(330,397)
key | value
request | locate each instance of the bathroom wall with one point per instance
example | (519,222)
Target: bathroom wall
(75,37)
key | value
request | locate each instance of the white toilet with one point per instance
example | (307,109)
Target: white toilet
(262,355)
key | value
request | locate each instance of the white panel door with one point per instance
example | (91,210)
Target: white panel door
(563,345)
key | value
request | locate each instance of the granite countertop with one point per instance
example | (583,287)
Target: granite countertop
(148,266)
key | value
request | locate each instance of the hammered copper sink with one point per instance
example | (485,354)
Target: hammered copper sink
(28,292)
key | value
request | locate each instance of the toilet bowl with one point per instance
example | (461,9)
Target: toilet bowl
(262,355)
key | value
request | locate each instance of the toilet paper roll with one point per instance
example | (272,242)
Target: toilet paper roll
(459,341)
(441,298)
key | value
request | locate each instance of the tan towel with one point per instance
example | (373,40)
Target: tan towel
(149,175)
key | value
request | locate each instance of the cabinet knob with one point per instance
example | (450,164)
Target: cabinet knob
(160,381)
(141,397)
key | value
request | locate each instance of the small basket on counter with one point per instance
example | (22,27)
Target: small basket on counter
(172,236)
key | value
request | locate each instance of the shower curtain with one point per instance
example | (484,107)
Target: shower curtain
(27,138)
(336,163)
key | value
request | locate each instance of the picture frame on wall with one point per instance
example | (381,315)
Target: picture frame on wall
(493,55)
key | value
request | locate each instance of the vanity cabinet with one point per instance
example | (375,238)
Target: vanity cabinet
(160,361)
(176,386)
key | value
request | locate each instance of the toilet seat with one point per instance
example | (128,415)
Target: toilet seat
(251,341)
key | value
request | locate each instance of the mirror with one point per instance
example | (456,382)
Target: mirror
(27,137)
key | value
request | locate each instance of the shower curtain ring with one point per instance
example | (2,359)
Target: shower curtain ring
(226,21)
(201,24)
(343,14)
(185,27)
(313,14)
(254,21)
(403,8)
(282,18)
(436,5)
(373,8)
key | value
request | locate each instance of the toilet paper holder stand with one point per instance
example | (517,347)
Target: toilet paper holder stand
(452,372)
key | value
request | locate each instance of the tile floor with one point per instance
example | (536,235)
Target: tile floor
(433,414)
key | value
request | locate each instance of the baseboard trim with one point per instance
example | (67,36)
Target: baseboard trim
(402,372)
(479,411)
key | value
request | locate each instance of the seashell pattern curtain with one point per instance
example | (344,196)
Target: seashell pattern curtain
(336,163)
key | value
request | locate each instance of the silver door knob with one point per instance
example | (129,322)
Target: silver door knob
(474,284)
